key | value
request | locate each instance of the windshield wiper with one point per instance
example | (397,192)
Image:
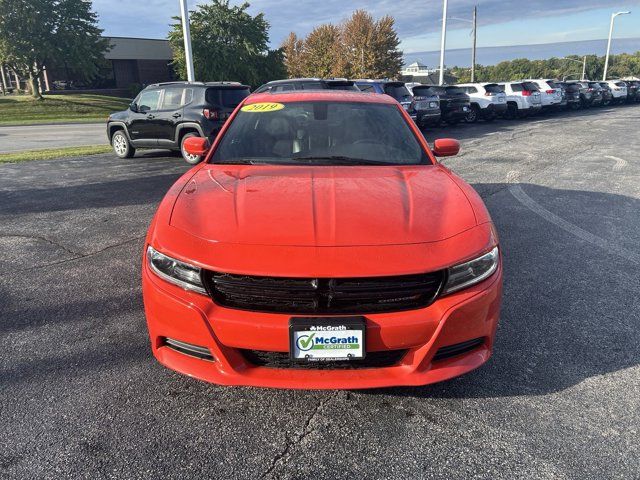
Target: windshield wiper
(343,159)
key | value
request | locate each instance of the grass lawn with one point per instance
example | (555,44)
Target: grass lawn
(24,110)
(53,153)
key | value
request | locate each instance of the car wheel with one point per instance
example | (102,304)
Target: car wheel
(512,111)
(190,159)
(472,116)
(121,145)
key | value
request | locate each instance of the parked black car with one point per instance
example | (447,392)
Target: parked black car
(163,115)
(607,95)
(572,93)
(307,84)
(586,94)
(598,94)
(394,89)
(426,105)
(454,103)
(633,93)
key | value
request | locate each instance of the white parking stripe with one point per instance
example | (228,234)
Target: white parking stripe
(620,162)
(535,207)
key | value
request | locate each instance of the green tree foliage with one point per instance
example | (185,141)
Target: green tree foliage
(358,48)
(620,66)
(228,44)
(35,32)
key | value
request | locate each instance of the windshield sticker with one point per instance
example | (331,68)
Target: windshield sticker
(262,107)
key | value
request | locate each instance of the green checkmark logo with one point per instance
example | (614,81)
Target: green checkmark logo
(305,342)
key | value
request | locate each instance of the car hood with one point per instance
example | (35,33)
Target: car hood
(322,206)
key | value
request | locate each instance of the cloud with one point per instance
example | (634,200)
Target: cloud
(413,17)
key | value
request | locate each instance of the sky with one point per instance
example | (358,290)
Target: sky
(418,22)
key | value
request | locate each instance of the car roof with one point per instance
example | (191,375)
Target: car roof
(319,95)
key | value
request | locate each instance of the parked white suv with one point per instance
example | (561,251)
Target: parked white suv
(618,90)
(488,101)
(550,93)
(523,99)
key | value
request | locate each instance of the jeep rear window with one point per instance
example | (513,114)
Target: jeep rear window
(321,133)
(226,97)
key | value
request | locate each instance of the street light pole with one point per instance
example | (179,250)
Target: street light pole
(186,33)
(584,68)
(473,50)
(443,40)
(606,61)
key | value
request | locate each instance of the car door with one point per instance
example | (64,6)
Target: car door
(168,115)
(142,127)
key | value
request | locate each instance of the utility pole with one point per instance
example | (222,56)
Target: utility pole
(443,40)
(584,69)
(473,49)
(606,61)
(4,79)
(186,33)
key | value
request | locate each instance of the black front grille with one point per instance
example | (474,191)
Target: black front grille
(324,295)
(457,349)
(386,358)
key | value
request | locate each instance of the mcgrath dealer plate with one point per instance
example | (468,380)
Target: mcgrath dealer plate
(327,338)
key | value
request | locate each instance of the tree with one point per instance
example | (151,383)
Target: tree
(358,48)
(228,44)
(292,48)
(321,51)
(35,32)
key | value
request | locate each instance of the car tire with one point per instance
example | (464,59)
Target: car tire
(472,116)
(121,145)
(190,159)
(512,112)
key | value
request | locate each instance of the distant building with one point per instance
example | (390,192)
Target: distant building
(420,73)
(130,62)
(417,69)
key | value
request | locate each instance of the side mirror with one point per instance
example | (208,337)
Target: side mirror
(446,147)
(196,146)
(133,107)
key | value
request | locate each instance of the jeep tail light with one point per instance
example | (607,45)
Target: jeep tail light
(210,114)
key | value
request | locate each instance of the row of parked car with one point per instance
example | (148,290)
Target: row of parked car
(165,115)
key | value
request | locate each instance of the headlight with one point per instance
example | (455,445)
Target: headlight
(433,104)
(471,272)
(174,271)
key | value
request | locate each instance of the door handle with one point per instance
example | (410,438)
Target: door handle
(176,115)
(150,117)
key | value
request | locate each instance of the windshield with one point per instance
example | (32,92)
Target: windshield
(320,133)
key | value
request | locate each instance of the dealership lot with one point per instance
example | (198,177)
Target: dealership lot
(82,396)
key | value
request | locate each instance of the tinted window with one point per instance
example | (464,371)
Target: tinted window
(226,97)
(173,98)
(149,100)
(285,87)
(399,92)
(517,87)
(621,84)
(471,90)
(311,86)
(572,87)
(454,91)
(366,87)
(530,86)
(553,84)
(493,88)
(423,91)
(314,132)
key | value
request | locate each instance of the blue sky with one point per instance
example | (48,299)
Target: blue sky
(502,22)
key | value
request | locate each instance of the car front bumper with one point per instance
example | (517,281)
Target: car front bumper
(188,317)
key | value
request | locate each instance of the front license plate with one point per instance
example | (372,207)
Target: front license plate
(320,339)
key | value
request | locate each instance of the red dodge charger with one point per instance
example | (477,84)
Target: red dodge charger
(321,245)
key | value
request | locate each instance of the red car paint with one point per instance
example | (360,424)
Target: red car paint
(321,221)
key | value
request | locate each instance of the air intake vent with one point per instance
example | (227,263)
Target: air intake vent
(386,358)
(457,349)
(188,349)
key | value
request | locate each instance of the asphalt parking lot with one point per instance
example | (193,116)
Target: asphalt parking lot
(82,396)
